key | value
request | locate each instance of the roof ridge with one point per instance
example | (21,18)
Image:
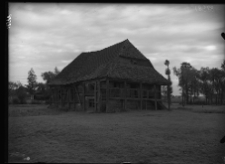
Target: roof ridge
(106,47)
(127,50)
(106,63)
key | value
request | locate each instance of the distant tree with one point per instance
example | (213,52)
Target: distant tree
(40,87)
(205,83)
(12,88)
(216,83)
(193,85)
(169,87)
(223,81)
(187,76)
(32,83)
(21,93)
(41,92)
(223,65)
(56,71)
(212,84)
(17,92)
(48,76)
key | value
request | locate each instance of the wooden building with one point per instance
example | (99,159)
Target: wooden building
(116,78)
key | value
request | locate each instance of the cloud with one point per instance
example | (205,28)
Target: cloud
(210,47)
(46,35)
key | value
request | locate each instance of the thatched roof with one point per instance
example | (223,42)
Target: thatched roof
(106,63)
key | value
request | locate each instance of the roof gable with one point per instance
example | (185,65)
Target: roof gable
(104,63)
(130,51)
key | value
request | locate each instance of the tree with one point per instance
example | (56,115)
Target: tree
(21,93)
(223,81)
(41,87)
(187,76)
(12,88)
(209,82)
(193,85)
(17,92)
(48,76)
(169,87)
(32,83)
(223,65)
(42,93)
(56,71)
(205,83)
(215,78)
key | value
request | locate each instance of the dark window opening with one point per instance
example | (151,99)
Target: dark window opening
(133,86)
(117,85)
(91,103)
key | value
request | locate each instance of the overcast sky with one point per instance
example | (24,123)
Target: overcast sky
(44,36)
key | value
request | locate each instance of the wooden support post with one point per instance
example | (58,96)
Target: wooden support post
(159,92)
(70,96)
(95,96)
(107,93)
(155,95)
(64,96)
(99,100)
(83,105)
(78,96)
(58,99)
(146,104)
(155,105)
(63,90)
(147,94)
(125,95)
(141,95)
(54,96)
(98,95)
(73,96)
(60,96)
(63,93)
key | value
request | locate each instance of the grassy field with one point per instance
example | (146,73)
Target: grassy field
(183,135)
(201,108)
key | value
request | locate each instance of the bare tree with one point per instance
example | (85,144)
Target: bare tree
(32,82)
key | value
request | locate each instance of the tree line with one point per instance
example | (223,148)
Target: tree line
(206,81)
(209,82)
(19,93)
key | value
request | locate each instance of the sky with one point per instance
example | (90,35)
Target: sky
(43,36)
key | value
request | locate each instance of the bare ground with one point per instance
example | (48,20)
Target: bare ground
(177,136)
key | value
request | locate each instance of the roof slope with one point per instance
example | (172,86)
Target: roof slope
(105,63)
